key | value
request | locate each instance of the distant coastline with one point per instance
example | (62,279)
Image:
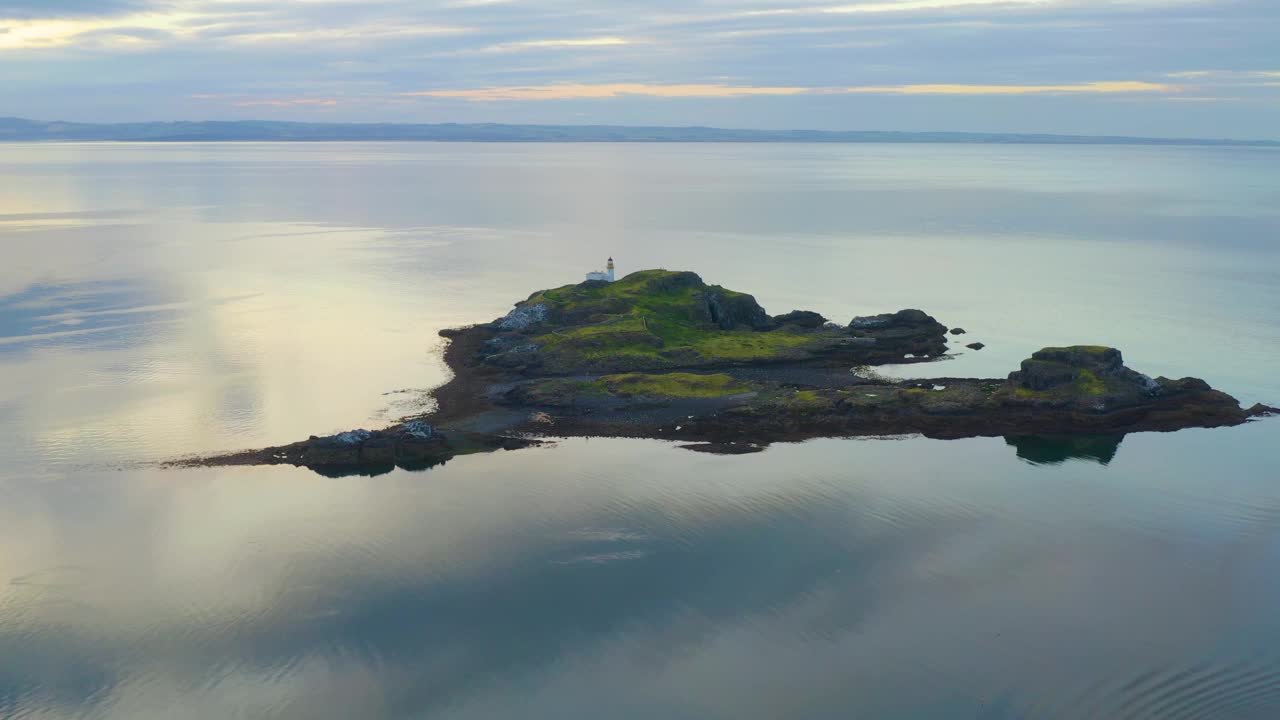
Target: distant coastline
(23,130)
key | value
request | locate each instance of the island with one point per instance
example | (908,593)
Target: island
(662,354)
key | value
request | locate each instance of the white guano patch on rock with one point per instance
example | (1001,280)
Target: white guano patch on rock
(523,316)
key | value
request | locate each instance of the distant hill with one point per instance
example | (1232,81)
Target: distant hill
(20,130)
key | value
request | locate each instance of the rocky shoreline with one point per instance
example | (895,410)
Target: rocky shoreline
(660,354)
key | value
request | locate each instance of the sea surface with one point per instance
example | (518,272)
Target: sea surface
(159,301)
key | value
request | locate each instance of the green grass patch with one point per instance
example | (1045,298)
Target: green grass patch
(560,392)
(805,401)
(625,335)
(673,385)
(747,344)
(1089,383)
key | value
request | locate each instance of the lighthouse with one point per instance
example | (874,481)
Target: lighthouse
(606,276)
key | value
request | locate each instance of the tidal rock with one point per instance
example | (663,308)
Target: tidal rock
(1053,368)
(906,332)
(414,442)
(419,429)
(379,451)
(975,346)
(1185,385)
(341,449)
(713,448)
(415,450)
(957,331)
(800,318)
(318,455)
(350,438)
(1094,379)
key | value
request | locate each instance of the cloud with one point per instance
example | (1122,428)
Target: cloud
(1224,74)
(287,102)
(568,91)
(895,7)
(204,23)
(57,32)
(1104,88)
(580,91)
(576,91)
(1201,99)
(352,33)
(553,44)
(66,8)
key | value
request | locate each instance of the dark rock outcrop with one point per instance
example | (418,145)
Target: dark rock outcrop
(906,332)
(957,331)
(1091,357)
(800,318)
(411,443)
(975,345)
(1092,382)
(1053,368)
(730,310)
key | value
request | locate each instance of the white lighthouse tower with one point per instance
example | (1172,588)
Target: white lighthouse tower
(606,276)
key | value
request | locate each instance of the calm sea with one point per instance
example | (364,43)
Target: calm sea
(163,300)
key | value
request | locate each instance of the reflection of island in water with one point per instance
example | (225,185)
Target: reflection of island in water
(1057,449)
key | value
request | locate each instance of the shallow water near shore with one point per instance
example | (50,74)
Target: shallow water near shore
(165,300)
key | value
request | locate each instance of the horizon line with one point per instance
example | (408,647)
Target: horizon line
(67,130)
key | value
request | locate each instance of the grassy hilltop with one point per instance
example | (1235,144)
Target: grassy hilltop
(665,320)
(662,318)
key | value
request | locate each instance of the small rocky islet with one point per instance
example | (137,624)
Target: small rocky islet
(661,354)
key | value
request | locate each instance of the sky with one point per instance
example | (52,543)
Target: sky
(1165,68)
